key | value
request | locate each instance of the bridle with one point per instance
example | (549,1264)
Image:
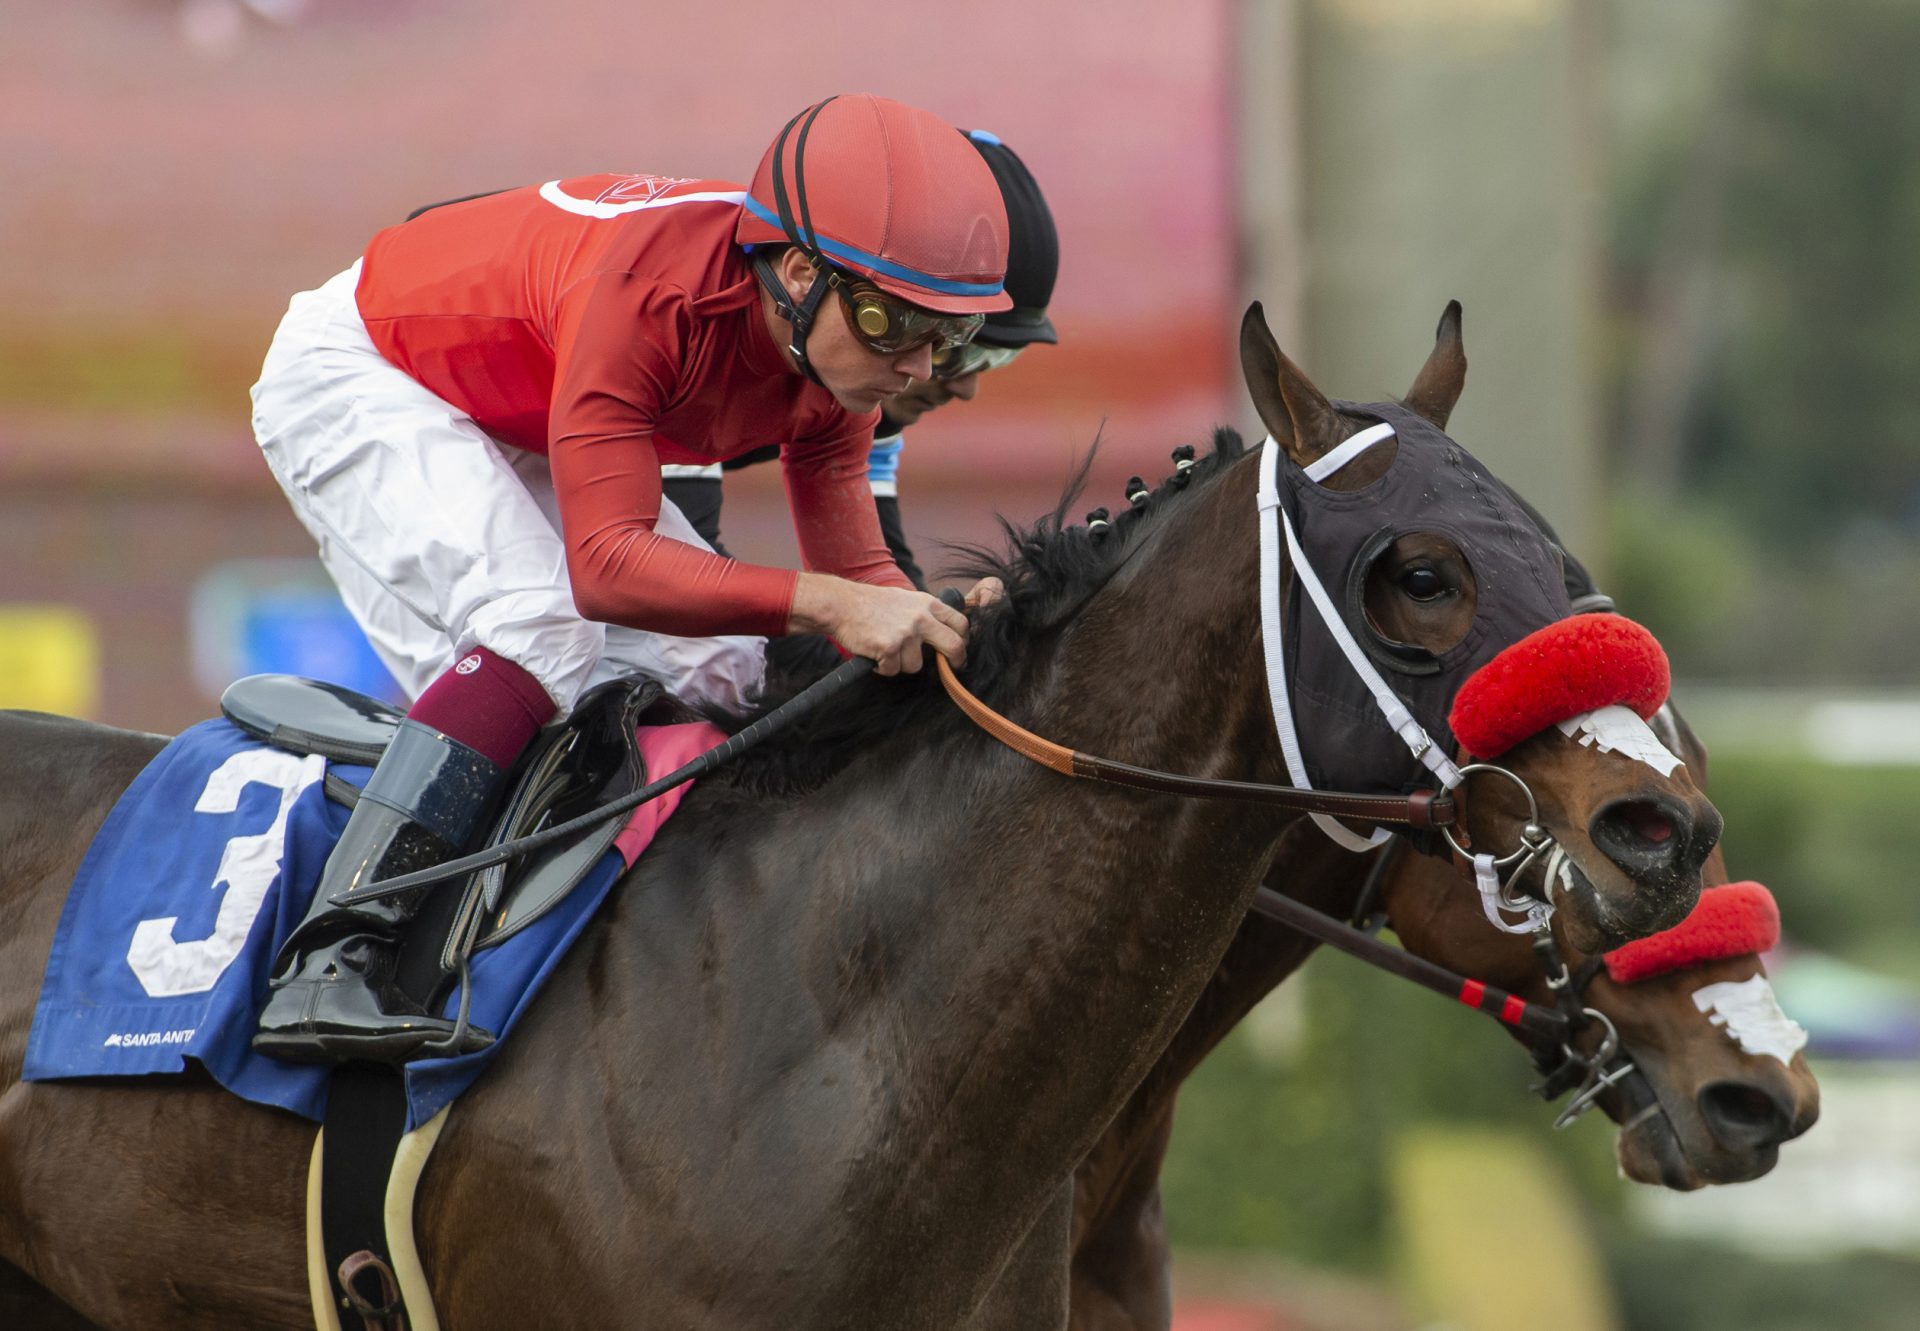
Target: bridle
(1423,810)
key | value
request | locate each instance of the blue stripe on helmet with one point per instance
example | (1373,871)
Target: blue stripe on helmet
(848,254)
(985,136)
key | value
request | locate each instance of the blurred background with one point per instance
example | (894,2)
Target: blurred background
(1684,235)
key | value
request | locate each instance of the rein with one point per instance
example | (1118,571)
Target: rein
(1421,809)
(1542,1024)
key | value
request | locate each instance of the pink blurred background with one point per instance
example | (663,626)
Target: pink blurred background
(176,171)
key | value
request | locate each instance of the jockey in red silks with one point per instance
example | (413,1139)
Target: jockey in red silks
(471,422)
(1033,265)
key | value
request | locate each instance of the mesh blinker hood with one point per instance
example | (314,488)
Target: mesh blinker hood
(1436,486)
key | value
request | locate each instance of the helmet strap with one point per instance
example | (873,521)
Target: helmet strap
(800,231)
(799,317)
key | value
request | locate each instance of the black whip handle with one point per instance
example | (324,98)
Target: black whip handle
(808,699)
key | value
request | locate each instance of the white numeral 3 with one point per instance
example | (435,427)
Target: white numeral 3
(168,967)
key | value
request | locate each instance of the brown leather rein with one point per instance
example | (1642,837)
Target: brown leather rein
(1423,808)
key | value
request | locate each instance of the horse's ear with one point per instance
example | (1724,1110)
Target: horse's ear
(1295,413)
(1438,385)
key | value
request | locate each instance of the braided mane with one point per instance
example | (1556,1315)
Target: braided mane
(1050,568)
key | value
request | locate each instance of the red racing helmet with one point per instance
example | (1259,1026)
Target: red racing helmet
(891,193)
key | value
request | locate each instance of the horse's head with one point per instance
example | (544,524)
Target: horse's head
(1439,586)
(1723,1081)
(1725,1092)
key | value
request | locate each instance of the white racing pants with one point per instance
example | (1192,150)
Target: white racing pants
(438,537)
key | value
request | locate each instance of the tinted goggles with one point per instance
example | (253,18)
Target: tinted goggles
(890,327)
(958,362)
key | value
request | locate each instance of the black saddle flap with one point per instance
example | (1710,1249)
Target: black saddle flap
(310,716)
(593,761)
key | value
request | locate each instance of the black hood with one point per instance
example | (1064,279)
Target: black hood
(1433,485)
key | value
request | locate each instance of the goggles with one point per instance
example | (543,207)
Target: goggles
(974,357)
(890,327)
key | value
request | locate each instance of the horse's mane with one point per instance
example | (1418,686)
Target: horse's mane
(1050,567)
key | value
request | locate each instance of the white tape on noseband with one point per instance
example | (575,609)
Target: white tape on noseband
(1748,1012)
(1620,730)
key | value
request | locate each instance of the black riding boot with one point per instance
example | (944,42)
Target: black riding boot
(333,996)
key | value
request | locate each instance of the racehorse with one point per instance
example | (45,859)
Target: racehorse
(832,1053)
(1720,1113)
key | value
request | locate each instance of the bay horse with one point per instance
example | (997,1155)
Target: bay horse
(832,1053)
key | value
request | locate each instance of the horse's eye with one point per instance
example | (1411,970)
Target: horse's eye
(1422,584)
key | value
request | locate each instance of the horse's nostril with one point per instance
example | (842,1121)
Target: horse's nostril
(1643,837)
(1647,823)
(1744,1116)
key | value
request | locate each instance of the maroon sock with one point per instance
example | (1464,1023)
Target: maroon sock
(487,703)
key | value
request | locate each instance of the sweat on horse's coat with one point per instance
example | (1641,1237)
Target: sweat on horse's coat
(199,874)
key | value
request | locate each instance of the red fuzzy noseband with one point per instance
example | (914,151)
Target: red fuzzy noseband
(1567,669)
(1732,920)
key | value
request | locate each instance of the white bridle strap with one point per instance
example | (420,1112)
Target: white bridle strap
(1272,639)
(1335,458)
(1273,643)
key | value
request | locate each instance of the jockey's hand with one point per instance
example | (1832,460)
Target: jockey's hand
(886,624)
(985,592)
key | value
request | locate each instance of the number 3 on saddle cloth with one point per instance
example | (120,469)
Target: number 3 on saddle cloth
(204,867)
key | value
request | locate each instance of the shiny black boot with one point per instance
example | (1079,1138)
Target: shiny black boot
(333,995)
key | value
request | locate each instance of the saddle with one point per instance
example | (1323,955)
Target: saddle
(572,768)
(361,1256)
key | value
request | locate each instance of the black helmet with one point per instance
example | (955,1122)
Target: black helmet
(1033,249)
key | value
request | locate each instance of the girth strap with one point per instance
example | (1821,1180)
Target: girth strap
(1423,808)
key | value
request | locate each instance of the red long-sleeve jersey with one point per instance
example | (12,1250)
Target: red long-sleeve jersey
(611,323)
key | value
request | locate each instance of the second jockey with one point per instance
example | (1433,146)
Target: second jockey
(471,422)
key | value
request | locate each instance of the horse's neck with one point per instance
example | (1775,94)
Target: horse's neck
(1437,917)
(1308,867)
(950,965)
(1071,925)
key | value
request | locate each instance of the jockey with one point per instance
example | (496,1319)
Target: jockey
(471,422)
(1033,263)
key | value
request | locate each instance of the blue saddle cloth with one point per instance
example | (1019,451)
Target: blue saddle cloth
(171,927)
